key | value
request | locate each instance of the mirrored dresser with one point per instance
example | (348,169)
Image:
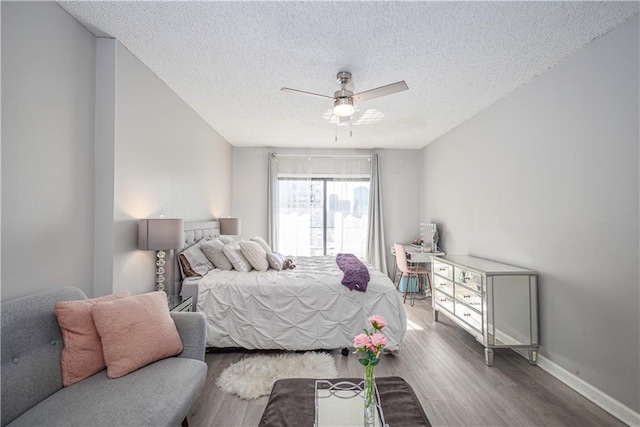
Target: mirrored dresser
(495,302)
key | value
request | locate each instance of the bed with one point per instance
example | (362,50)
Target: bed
(306,308)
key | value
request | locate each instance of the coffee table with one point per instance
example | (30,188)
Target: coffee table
(291,403)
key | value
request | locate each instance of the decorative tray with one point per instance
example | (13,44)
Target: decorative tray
(342,405)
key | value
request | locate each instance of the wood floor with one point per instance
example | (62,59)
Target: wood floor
(445,366)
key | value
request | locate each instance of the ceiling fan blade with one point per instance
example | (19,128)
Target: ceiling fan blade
(380,91)
(286,89)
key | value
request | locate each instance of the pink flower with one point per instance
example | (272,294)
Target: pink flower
(378,340)
(377,321)
(360,341)
(371,343)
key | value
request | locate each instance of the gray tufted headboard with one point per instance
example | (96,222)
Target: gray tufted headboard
(194,231)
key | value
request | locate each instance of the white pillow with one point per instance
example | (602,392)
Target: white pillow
(276,260)
(213,251)
(254,253)
(226,239)
(259,240)
(233,252)
(197,259)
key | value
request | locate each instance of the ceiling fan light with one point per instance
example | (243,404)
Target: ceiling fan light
(343,107)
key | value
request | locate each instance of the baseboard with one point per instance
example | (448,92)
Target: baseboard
(603,400)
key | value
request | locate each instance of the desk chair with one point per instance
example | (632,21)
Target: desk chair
(409,271)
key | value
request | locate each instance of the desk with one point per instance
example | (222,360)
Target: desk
(415,255)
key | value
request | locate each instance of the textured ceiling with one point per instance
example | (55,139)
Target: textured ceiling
(228,60)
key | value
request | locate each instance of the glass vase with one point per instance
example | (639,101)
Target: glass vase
(369,396)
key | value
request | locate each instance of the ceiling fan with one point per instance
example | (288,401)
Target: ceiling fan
(344,99)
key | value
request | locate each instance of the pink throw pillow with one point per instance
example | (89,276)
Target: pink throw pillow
(135,332)
(82,353)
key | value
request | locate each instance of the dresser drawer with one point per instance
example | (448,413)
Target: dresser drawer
(469,316)
(468,296)
(443,285)
(442,269)
(468,278)
(443,301)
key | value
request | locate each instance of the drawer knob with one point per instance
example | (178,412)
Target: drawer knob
(466,314)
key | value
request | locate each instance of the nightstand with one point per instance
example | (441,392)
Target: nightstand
(178,303)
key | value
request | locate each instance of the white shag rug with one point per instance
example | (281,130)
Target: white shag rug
(253,377)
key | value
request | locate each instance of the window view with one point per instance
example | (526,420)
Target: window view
(322,216)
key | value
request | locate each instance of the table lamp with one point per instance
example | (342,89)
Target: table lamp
(160,234)
(229,226)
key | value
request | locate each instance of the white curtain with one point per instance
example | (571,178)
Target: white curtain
(294,210)
(272,201)
(375,252)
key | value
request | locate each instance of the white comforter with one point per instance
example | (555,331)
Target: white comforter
(302,309)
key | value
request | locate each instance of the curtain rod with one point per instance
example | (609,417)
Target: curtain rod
(322,155)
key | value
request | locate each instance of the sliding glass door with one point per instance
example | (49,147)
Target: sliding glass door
(322,216)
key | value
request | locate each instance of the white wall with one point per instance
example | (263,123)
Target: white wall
(168,161)
(400,182)
(92,140)
(48,69)
(104,161)
(548,179)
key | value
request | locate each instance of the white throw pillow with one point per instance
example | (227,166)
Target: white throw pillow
(259,240)
(254,253)
(197,259)
(233,252)
(276,260)
(226,239)
(213,251)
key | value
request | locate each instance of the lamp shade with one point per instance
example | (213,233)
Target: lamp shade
(229,226)
(160,234)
